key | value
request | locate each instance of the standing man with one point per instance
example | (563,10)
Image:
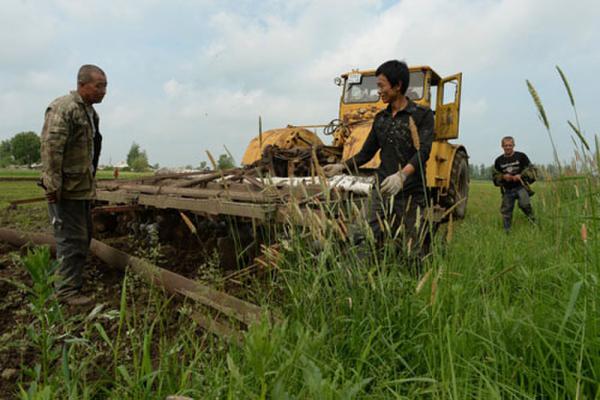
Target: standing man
(404,134)
(70,152)
(513,172)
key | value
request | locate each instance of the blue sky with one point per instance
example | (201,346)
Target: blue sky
(190,76)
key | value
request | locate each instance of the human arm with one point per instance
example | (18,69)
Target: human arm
(497,175)
(54,137)
(365,154)
(367,151)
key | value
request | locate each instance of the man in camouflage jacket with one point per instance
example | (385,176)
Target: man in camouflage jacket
(70,150)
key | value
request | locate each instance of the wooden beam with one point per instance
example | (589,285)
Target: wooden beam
(210,206)
(200,193)
(224,303)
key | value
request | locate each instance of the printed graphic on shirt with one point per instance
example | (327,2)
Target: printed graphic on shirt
(512,168)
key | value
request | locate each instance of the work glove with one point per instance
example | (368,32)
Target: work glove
(393,183)
(333,169)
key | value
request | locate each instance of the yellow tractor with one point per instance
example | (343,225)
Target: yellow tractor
(293,151)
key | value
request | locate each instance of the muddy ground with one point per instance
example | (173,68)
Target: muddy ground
(190,257)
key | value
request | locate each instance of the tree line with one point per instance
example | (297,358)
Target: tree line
(545,171)
(23,149)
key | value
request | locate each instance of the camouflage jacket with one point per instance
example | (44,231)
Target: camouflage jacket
(69,149)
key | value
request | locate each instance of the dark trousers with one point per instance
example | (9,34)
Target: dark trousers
(72,224)
(403,218)
(508,204)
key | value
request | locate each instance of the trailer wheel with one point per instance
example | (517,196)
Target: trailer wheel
(458,192)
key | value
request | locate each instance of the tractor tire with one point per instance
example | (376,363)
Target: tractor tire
(459,185)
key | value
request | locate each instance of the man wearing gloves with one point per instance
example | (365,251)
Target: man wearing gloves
(403,132)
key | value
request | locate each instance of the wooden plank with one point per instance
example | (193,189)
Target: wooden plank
(114,209)
(200,193)
(224,303)
(115,196)
(210,206)
(219,328)
(192,182)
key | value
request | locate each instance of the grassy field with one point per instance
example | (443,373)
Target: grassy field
(491,316)
(32,173)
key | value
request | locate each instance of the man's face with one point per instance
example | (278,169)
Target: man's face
(93,91)
(386,91)
(509,147)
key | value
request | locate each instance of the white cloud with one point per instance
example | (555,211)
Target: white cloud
(187,76)
(172,88)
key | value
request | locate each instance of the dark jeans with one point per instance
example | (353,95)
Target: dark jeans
(508,204)
(404,220)
(72,224)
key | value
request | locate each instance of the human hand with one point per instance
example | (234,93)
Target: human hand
(508,177)
(333,169)
(52,197)
(393,183)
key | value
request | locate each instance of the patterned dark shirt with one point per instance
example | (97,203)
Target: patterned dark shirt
(511,165)
(392,136)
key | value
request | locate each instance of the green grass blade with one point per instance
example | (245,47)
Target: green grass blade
(567,86)
(579,135)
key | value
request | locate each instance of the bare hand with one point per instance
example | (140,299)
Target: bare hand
(52,197)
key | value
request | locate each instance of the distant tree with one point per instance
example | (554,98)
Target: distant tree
(473,173)
(225,162)
(134,152)
(5,153)
(203,166)
(25,148)
(140,163)
(137,159)
(5,148)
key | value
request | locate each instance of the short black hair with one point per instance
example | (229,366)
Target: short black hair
(396,72)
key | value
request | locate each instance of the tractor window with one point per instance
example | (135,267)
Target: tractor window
(449,92)
(365,91)
(415,86)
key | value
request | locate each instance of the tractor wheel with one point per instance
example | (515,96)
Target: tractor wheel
(458,192)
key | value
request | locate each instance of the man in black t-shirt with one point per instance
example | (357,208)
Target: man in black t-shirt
(513,172)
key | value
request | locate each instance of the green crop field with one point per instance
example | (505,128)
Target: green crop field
(34,174)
